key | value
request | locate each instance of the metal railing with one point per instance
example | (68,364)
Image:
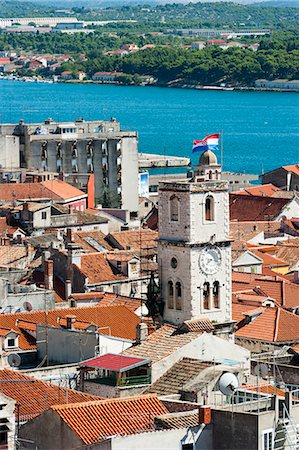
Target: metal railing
(286,433)
(121,382)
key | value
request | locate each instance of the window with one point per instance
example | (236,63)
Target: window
(209,209)
(174,263)
(11,342)
(170,294)
(187,447)
(3,439)
(178,295)
(115,289)
(216,287)
(44,215)
(206,295)
(268,440)
(174,209)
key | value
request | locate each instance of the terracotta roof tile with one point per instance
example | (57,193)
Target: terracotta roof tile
(177,376)
(52,189)
(108,299)
(97,269)
(273,325)
(242,232)
(161,343)
(185,419)
(13,255)
(133,240)
(197,325)
(35,396)
(255,208)
(289,253)
(93,421)
(120,320)
(6,229)
(293,168)
(268,260)
(263,190)
(283,291)
(90,240)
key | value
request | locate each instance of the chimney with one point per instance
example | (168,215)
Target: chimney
(68,289)
(6,241)
(74,254)
(69,235)
(70,322)
(48,274)
(141,332)
(204,415)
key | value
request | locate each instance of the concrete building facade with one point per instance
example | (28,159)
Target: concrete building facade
(79,149)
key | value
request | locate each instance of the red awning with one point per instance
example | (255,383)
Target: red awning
(116,363)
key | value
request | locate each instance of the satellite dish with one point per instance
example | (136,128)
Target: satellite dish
(14,360)
(228,383)
(261,370)
(27,306)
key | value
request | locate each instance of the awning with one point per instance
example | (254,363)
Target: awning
(116,363)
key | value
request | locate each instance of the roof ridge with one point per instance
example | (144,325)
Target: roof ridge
(104,401)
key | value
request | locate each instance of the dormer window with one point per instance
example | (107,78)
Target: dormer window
(11,340)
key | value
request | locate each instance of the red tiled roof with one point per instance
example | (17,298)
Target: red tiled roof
(246,208)
(273,325)
(97,269)
(134,239)
(86,244)
(6,331)
(116,363)
(53,189)
(161,343)
(4,227)
(284,292)
(263,190)
(294,168)
(94,421)
(268,260)
(197,325)
(268,389)
(62,189)
(242,232)
(110,299)
(119,320)
(35,396)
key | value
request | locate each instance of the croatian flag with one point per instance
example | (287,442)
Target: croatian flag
(208,143)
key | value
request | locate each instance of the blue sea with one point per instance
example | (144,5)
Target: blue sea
(260,129)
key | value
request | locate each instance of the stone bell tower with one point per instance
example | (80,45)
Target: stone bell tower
(194,250)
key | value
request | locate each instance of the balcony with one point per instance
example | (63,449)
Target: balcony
(122,382)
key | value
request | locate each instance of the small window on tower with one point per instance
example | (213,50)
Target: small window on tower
(206,295)
(209,209)
(170,294)
(174,209)
(216,287)
(178,295)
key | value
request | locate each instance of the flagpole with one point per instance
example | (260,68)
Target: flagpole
(221,148)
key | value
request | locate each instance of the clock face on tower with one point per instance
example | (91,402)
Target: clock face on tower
(209,260)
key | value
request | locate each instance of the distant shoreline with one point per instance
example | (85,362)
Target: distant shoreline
(160,85)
